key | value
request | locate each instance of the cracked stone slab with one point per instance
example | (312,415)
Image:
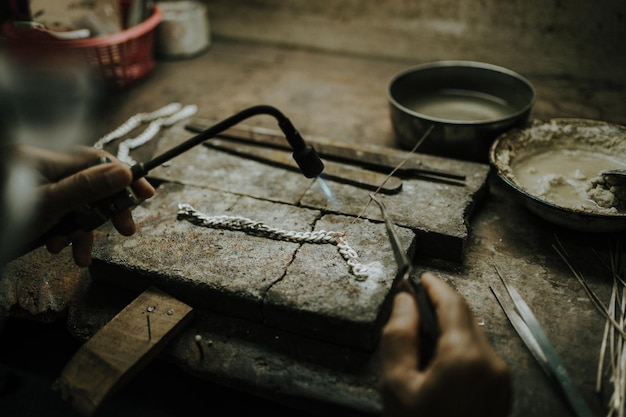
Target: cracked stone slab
(438,213)
(319,297)
(305,288)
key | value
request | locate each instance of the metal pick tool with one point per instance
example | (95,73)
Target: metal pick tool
(429,328)
(529,329)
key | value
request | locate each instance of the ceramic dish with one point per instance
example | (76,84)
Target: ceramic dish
(554,166)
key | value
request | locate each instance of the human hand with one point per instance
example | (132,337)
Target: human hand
(63,184)
(465,377)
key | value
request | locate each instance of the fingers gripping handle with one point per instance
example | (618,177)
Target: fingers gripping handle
(86,217)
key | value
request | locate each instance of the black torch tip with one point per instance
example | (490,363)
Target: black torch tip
(309,161)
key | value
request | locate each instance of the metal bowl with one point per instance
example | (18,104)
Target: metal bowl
(568,153)
(468,104)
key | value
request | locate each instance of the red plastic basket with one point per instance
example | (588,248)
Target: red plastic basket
(121,58)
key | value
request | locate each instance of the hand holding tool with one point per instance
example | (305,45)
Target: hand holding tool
(93,215)
(87,216)
(429,328)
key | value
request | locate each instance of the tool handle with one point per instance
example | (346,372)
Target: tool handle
(429,327)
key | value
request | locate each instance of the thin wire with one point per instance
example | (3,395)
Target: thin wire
(404,160)
(134,122)
(560,250)
(613,342)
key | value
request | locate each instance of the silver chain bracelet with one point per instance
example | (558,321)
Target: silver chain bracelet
(256,228)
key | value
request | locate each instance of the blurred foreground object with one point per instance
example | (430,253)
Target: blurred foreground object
(47,99)
(120,58)
(95,17)
(184,30)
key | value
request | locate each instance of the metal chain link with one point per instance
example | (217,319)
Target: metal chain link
(163,117)
(360,271)
(136,120)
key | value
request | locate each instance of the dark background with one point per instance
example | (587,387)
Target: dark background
(33,354)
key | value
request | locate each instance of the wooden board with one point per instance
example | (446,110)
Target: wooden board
(120,349)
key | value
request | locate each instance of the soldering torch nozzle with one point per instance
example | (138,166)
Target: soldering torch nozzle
(305,156)
(309,161)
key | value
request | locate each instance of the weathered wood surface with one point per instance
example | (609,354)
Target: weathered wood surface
(120,349)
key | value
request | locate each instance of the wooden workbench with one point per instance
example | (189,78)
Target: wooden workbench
(344,97)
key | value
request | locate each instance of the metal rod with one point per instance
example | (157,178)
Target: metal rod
(401,258)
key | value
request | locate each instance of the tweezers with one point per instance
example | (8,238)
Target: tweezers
(533,336)
(429,329)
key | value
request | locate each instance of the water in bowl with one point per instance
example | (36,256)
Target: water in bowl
(461,105)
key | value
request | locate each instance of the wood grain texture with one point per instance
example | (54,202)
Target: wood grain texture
(120,349)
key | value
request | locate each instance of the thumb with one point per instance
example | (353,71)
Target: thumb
(86,186)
